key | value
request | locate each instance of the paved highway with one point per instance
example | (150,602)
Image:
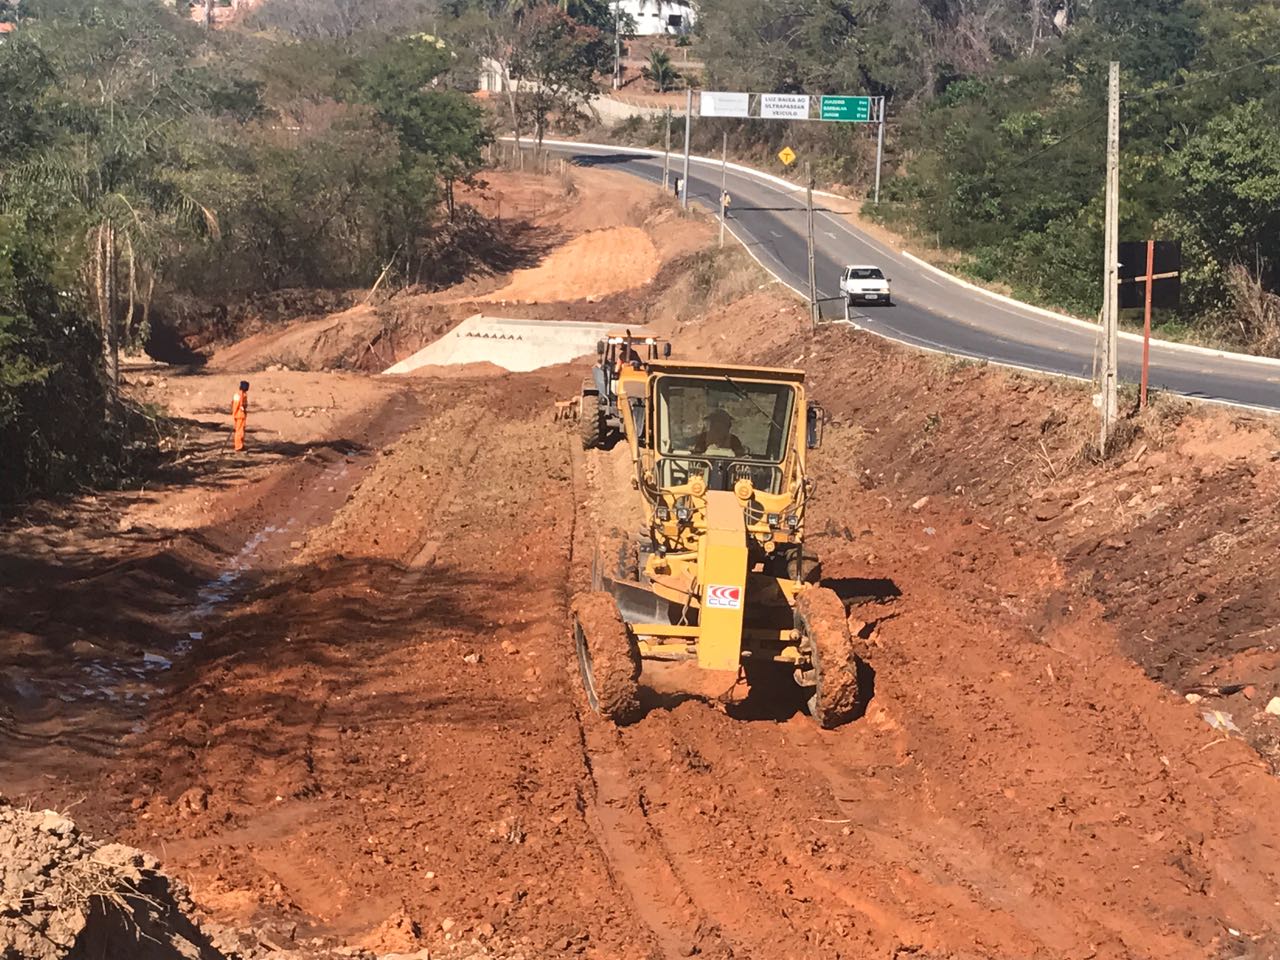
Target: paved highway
(930,310)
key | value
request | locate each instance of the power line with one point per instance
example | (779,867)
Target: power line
(1195,80)
(1059,142)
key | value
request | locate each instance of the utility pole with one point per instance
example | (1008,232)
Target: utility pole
(724,182)
(1111,268)
(879,150)
(688,129)
(813,277)
(617,45)
(666,156)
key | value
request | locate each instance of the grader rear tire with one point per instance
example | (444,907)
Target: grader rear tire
(608,658)
(820,618)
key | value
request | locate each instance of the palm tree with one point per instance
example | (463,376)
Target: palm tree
(660,72)
(133,208)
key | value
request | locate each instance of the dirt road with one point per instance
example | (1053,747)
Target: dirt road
(387,745)
(379,737)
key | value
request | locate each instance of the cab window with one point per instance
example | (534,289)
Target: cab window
(725,419)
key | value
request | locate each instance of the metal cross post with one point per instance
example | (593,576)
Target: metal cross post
(1148,280)
(1146,320)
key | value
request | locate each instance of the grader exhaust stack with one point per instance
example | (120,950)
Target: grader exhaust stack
(721,576)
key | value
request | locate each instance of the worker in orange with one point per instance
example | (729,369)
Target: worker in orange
(240,412)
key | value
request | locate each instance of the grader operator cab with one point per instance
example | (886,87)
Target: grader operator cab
(720,575)
(601,421)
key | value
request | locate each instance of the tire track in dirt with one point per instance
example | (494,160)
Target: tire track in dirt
(639,862)
(702,898)
(1015,790)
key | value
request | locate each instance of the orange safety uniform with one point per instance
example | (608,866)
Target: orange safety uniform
(240,415)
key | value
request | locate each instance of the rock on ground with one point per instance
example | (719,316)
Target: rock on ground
(64,895)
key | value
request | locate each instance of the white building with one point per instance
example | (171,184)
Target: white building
(654,18)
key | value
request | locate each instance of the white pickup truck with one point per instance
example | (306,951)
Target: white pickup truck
(864,284)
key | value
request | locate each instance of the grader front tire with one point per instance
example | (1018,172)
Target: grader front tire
(608,658)
(591,423)
(820,618)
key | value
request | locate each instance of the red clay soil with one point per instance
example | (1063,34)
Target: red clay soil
(1171,536)
(381,735)
(386,742)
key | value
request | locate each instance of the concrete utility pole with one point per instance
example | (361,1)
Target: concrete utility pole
(666,157)
(879,151)
(617,45)
(724,183)
(1111,267)
(688,129)
(813,277)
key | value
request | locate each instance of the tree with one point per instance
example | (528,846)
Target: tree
(593,13)
(557,57)
(493,37)
(1229,210)
(443,128)
(348,22)
(660,72)
(115,167)
(51,396)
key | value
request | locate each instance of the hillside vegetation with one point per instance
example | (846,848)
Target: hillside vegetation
(151,169)
(997,123)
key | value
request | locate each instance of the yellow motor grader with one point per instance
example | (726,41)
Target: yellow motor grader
(720,574)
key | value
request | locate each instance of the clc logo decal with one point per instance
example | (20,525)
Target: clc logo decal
(727,598)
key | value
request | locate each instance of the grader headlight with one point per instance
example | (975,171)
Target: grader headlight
(744,490)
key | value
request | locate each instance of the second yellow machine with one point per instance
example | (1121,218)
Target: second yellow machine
(720,574)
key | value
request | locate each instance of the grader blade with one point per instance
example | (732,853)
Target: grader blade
(636,603)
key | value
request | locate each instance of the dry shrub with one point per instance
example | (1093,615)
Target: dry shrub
(711,279)
(1255,311)
(1153,427)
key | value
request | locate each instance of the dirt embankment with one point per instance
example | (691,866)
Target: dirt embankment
(1169,537)
(377,737)
(582,237)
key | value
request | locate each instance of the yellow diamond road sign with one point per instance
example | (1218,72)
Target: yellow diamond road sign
(787,156)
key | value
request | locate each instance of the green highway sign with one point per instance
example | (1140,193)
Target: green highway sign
(846,109)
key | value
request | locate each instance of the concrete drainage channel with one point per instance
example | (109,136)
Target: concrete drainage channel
(515,345)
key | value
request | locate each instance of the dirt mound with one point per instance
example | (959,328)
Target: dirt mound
(588,199)
(462,371)
(592,235)
(594,265)
(307,345)
(64,895)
